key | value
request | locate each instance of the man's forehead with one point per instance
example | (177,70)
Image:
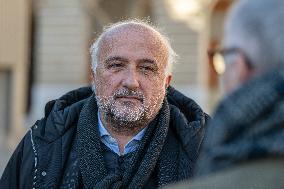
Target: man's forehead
(137,37)
(131,28)
(132,32)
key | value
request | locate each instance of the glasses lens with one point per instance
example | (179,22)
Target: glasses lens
(219,63)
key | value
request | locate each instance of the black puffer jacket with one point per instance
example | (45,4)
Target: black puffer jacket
(44,150)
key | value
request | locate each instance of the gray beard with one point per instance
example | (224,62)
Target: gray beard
(127,122)
(123,116)
(122,126)
(126,117)
(123,111)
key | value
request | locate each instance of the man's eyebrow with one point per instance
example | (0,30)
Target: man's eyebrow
(115,58)
(147,60)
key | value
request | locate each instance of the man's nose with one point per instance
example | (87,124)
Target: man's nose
(131,80)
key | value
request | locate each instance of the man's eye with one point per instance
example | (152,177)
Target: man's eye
(114,65)
(147,68)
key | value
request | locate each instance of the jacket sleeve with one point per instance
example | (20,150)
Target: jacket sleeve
(18,172)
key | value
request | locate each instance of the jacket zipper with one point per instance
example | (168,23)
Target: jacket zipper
(36,158)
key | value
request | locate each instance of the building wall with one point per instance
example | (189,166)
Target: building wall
(14,51)
(61,42)
(5,81)
(14,45)
(5,152)
(185,42)
(61,54)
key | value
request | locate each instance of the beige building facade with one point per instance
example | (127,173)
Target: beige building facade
(14,63)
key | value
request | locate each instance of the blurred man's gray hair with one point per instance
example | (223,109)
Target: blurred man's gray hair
(95,47)
(257,27)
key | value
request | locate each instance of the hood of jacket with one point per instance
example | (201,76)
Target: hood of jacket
(63,113)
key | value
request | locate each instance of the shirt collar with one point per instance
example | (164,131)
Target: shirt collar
(104,132)
(102,129)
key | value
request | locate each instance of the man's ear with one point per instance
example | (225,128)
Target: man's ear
(168,80)
(245,73)
(93,74)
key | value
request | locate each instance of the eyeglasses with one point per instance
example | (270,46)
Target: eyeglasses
(217,57)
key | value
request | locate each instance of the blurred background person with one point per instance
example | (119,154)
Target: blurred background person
(44,51)
(243,145)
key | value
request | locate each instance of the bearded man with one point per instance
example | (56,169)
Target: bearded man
(129,130)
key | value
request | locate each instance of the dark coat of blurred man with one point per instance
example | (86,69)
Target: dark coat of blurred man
(130,130)
(244,143)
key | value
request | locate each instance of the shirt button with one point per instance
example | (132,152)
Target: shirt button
(43,173)
(35,126)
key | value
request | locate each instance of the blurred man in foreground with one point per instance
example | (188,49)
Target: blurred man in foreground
(132,131)
(244,143)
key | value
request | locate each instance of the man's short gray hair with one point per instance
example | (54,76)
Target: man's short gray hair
(256,26)
(95,47)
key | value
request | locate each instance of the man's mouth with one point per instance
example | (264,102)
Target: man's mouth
(129,98)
